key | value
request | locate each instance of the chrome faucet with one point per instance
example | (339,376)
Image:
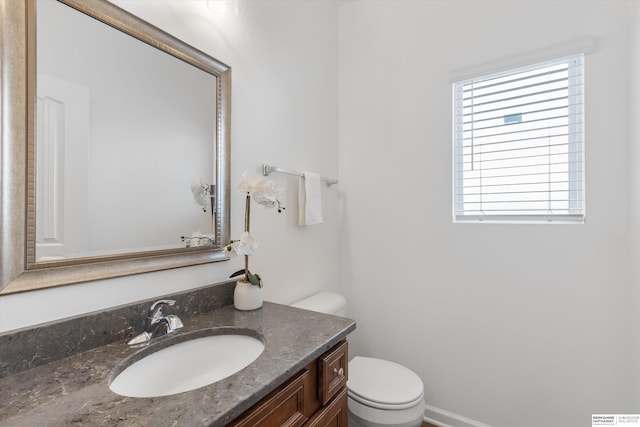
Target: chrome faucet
(158,322)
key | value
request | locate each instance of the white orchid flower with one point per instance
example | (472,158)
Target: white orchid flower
(230,250)
(267,193)
(246,245)
(200,189)
(263,192)
(248,182)
(244,185)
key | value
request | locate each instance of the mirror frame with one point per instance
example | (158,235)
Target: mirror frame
(19,271)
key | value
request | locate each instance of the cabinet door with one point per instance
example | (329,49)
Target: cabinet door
(284,407)
(335,414)
(333,367)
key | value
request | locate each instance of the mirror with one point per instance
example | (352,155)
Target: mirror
(124,123)
(122,129)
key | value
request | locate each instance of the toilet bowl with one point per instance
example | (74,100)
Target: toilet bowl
(380,393)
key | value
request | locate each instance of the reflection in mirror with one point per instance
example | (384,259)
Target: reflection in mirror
(122,131)
(125,150)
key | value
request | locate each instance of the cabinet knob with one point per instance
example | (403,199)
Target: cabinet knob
(338,372)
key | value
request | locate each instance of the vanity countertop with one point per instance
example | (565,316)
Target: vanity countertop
(75,390)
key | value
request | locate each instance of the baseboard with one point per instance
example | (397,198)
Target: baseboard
(441,418)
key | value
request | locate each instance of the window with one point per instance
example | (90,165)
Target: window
(519,144)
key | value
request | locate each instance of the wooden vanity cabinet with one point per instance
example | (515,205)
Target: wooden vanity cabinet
(314,397)
(332,415)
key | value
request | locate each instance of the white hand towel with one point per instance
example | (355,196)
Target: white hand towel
(310,199)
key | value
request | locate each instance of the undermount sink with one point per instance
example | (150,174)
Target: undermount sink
(187,365)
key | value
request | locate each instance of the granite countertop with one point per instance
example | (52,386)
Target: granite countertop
(75,390)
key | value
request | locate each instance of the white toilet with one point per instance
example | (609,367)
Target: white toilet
(381,393)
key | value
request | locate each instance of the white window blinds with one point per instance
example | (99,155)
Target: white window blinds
(519,144)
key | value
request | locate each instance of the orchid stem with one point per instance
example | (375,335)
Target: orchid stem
(247,216)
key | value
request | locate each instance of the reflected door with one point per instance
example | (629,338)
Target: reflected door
(62,125)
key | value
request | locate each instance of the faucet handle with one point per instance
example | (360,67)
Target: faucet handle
(162,301)
(157,309)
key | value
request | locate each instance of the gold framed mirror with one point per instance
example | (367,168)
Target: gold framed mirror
(25,265)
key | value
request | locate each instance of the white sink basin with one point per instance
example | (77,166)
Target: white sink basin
(187,365)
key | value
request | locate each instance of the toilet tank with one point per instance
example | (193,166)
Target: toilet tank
(324,302)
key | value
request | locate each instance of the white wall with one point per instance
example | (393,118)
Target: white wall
(634,140)
(509,325)
(283,55)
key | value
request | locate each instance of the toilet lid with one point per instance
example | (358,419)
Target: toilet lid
(381,383)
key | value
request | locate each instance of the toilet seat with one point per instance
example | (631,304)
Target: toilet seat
(383,384)
(386,407)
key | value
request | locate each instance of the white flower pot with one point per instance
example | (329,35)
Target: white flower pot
(247,296)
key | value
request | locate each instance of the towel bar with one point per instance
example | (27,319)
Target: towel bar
(268,169)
